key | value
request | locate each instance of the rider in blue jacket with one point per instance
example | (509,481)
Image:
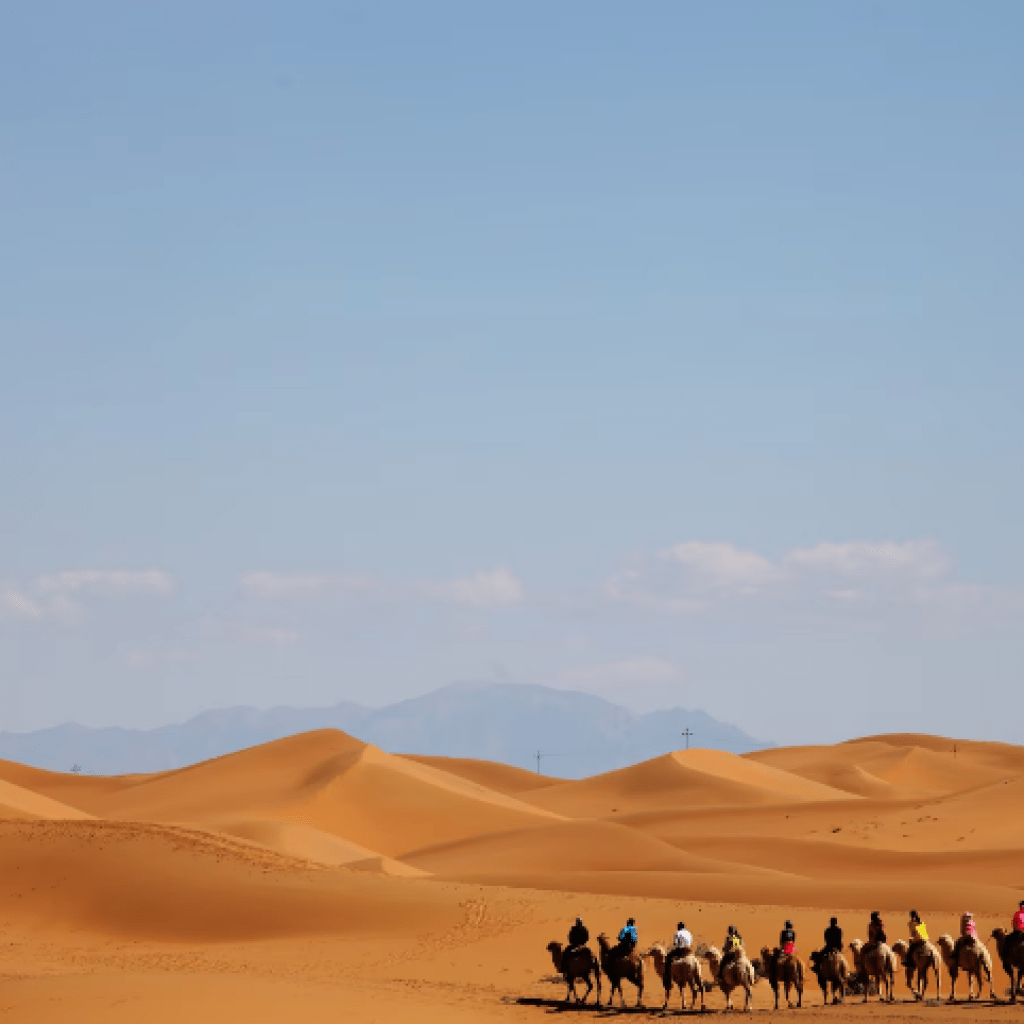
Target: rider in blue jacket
(628,938)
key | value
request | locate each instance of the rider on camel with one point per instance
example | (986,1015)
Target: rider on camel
(787,939)
(1017,927)
(578,936)
(682,945)
(876,930)
(732,946)
(833,938)
(918,932)
(968,932)
(628,939)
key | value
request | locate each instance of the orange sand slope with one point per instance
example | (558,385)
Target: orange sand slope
(821,825)
(317,860)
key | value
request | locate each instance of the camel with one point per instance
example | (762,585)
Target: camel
(580,964)
(879,964)
(616,967)
(685,972)
(924,957)
(832,971)
(738,973)
(973,959)
(784,969)
(1012,956)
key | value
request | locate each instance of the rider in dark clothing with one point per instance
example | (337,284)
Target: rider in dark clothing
(833,937)
(578,934)
(732,945)
(787,939)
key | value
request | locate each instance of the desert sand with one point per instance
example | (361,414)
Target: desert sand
(319,878)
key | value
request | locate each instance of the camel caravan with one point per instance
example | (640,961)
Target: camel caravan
(685,968)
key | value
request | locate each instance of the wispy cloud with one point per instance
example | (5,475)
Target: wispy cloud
(482,590)
(60,595)
(150,581)
(853,577)
(15,604)
(864,560)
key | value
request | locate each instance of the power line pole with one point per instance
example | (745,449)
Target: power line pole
(687,734)
(538,762)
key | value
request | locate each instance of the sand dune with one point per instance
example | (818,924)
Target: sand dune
(502,778)
(896,766)
(433,883)
(575,846)
(683,779)
(18,802)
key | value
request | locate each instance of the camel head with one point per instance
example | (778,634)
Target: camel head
(856,948)
(714,958)
(900,949)
(657,954)
(604,942)
(555,949)
(999,934)
(946,946)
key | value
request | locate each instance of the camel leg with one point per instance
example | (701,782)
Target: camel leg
(952,985)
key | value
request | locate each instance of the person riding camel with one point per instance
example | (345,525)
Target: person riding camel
(787,939)
(1017,927)
(876,930)
(918,932)
(833,938)
(968,933)
(682,944)
(732,946)
(628,939)
(578,936)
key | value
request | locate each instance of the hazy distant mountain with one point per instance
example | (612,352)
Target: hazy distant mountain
(577,734)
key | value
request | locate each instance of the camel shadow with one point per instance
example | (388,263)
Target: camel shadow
(558,1006)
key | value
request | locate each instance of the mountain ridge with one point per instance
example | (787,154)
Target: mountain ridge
(577,734)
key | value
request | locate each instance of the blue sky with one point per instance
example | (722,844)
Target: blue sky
(669,351)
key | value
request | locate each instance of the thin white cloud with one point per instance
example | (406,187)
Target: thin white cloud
(719,564)
(865,560)
(15,604)
(853,578)
(58,596)
(482,590)
(150,581)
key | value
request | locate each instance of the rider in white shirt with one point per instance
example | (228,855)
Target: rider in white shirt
(683,940)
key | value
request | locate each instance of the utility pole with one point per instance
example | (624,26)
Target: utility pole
(687,734)
(538,762)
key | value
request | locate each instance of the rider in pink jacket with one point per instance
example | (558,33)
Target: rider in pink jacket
(1018,919)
